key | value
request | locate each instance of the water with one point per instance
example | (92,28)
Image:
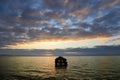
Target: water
(42,68)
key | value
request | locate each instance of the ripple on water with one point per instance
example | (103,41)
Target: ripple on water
(35,71)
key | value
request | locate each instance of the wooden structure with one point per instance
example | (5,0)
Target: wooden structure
(60,62)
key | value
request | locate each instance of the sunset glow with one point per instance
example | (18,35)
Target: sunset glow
(60,44)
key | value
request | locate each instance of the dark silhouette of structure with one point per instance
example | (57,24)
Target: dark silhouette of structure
(60,62)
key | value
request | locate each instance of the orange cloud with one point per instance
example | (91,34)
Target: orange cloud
(59,43)
(80,13)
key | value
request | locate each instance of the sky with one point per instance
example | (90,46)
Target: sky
(59,24)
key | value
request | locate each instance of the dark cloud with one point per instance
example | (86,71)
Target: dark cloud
(96,51)
(27,20)
(109,22)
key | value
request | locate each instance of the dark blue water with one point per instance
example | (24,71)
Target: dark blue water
(42,68)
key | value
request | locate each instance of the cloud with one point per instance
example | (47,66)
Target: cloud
(109,3)
(29,20)
(96,51)
(80,13)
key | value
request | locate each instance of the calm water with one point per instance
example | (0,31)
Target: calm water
(42,68)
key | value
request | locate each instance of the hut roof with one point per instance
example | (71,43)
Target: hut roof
(60,57)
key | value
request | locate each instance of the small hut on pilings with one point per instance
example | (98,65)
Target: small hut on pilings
(60,62)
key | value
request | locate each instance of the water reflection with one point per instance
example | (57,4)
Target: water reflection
(43,68)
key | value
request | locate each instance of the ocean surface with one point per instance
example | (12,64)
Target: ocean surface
(42,68)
